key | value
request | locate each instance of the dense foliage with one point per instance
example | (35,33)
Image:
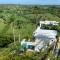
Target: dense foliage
(23,19)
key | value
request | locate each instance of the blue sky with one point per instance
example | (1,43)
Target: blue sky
(43,2)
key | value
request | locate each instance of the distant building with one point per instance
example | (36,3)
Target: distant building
(48,23)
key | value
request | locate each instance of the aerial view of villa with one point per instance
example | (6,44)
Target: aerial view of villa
(29,29)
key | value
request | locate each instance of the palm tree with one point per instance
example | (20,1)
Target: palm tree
(13,30)
(18,24)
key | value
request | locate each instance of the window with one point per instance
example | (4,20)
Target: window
(31,47)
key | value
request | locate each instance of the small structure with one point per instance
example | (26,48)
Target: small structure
(47,35)
(32,46)
(28,45)
(48,22)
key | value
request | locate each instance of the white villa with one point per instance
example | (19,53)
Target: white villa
(42,37)
(46,34)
